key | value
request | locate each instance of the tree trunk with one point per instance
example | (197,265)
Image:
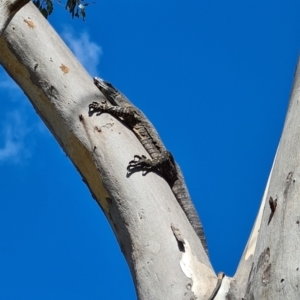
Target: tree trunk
(275,272)
(165,256)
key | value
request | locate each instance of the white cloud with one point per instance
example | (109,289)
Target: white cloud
(7,83)
(16,134)
(13,133)
(12,126)
(19,125)
(14,93)
(10,149)
(87,52)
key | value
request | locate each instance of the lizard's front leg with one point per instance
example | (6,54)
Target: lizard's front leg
(164,164)
(104,106)
(141,163)
(127,113)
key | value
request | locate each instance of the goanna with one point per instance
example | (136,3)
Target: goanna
(161,160)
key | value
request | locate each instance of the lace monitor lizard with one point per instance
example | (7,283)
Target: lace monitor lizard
(161,160)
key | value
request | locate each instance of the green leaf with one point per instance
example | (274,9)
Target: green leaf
(49,7)
(44,12)
(82,11)
(37,3)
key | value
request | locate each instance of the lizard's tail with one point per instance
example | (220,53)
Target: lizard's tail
(183,198)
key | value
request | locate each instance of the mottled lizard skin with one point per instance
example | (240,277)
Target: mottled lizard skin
(161,160)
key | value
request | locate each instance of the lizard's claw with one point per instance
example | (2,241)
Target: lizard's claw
(140,162)
(97,107)
(137,161)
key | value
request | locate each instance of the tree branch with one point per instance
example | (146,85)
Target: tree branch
(140,208)
(270,262)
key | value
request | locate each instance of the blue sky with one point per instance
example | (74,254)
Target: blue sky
(213,76)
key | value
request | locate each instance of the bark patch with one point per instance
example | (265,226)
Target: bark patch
(29,23)
(288,182)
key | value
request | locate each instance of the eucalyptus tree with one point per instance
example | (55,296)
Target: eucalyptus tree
(164,254)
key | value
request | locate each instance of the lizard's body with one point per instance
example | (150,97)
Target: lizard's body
(161,160)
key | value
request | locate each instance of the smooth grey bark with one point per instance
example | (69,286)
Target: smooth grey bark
(165,256)
(240,280)
(269,267)
(275,271)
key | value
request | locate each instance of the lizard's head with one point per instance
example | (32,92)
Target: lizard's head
(105,87)
(110,92)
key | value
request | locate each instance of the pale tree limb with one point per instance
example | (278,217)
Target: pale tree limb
(240,279)
(164,254)
(270,264)
(275,269)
